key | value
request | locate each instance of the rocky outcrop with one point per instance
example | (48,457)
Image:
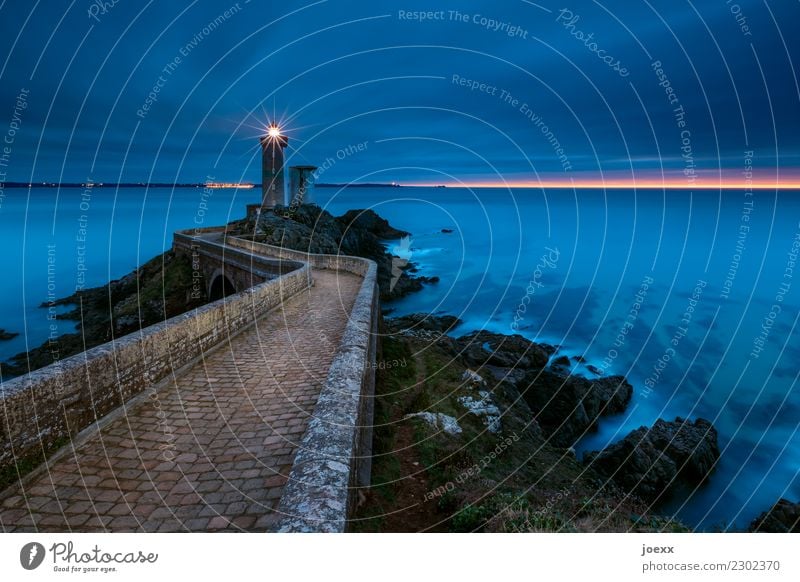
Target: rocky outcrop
(308,228)
(561,363)
(783,517)
(564,405)
(7,335)
(484,408)
(369,221)
(443,422)
(445,489)
(567,406)
(485,348)
(415,322)
(649,462)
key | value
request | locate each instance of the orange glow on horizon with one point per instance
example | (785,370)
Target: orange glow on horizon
(630,183)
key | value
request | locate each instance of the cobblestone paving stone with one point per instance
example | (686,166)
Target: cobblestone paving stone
(219,456)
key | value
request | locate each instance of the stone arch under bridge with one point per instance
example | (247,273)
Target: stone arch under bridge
(220,286)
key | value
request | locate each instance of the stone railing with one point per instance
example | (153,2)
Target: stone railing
(243,268)
(261,268)
(356,265)
(334,458)
(43,410)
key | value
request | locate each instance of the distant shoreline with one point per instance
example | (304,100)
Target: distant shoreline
(248,186)
(465,186)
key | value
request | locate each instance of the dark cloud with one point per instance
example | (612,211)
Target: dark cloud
(349,72)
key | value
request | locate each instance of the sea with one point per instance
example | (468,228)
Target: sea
(692,295)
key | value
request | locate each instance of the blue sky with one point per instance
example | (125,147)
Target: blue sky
(342,73)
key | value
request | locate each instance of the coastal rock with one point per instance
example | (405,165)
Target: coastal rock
(513,376)
(609,395)
(561,362)
(783,517)
(473,378)
(7,335)
(439,421)
(371,222)
(651,461)
(309,228)
(567,406)
(485,408)
(418,322)
(481,348)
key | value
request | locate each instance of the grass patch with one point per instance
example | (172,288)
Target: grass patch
(392,390)
(513,481)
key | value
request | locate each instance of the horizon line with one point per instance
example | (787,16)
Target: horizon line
(632,184)
(588,184)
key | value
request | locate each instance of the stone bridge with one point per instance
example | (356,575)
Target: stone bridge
(223,269)
(251,413)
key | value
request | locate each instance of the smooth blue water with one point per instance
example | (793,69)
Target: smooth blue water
(607,243)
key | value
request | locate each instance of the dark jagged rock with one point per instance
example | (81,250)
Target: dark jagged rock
(309,228)
(579,359)
(482,348)
(783,517)
(567,406)
(594,370)
(7,335)
(514,376)
(424,321)
(650,462)
(368,220)
(561,362)
(447,230)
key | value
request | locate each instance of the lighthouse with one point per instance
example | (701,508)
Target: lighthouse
(273,190)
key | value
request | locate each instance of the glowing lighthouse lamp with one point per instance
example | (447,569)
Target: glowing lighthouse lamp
(273,190)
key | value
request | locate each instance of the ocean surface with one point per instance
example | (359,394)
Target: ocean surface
(691,295)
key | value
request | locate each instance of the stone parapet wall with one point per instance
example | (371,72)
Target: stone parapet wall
(334,458)
(243,268)
(43,410)
(356,265)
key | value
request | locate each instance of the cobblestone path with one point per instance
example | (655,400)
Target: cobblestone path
(219,455)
